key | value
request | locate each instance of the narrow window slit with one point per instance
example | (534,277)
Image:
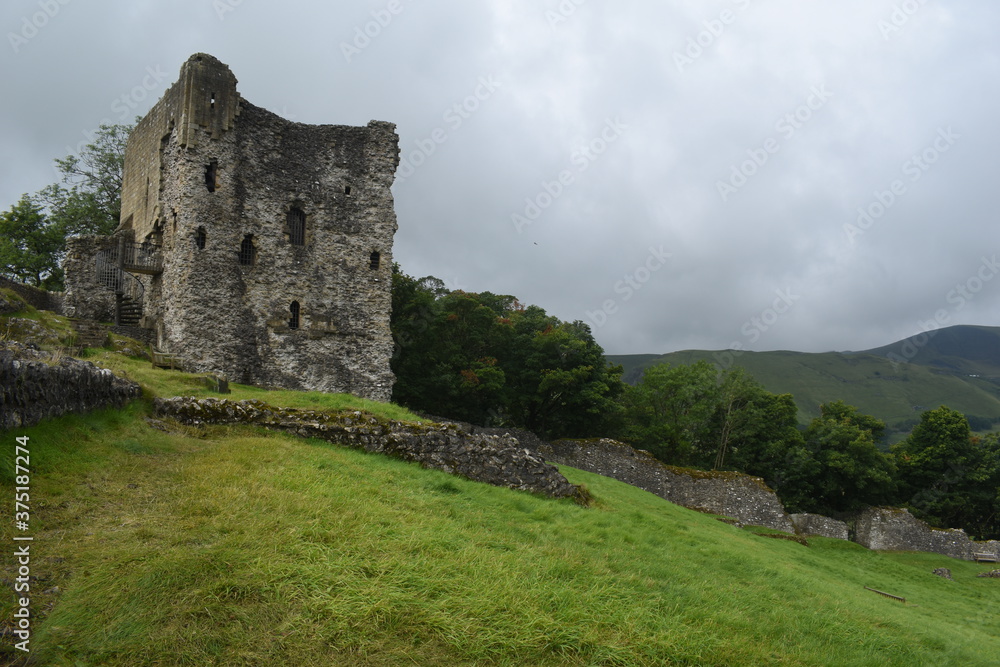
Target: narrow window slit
(211,172)
(296,226)
(293,321)
(248,253)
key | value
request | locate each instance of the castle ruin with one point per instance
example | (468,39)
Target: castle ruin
(249,245)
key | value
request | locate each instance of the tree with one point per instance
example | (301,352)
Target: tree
(851,472)
(948,477)
(669,412)
(87,200)
(30,245)
(486,359)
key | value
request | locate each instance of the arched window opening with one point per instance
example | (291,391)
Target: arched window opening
(248,253)
(211,172)
(200,237)
(296,226)
(293,321)
(374,260)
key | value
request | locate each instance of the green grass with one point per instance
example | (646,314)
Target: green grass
(234,546)
(161,382)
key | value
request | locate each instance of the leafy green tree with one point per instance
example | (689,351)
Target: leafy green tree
(485,358)
(851,472)
(30,245)
(948,477)
(669,412)
(87,200)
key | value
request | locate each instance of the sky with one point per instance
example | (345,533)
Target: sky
(679,174)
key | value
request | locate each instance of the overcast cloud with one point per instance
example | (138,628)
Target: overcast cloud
(681,174)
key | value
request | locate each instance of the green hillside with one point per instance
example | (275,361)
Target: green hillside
(958,367)
(160,545)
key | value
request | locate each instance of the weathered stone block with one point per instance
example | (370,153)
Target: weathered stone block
(891,529)
(747,499)
(819,526)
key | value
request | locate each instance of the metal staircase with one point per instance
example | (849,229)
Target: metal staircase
(115,268)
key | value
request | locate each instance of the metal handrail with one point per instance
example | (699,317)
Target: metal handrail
(114,278)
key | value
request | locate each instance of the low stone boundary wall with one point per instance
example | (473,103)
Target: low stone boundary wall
(494,459)
(816,525)
(32,390)
(39,298)
(742,497)
(891,529)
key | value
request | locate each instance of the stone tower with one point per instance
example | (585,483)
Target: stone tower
(271,241)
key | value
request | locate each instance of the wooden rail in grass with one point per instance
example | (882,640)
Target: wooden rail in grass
(984,557)
(888,595)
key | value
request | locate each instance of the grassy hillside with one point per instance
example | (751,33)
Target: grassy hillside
(159,544)
(162,545)
(958,367)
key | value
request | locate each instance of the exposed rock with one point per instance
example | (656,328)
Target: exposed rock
(495,459)
(943,572)
(993,574)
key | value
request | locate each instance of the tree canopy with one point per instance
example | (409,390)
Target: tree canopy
(86,200)
(487,359)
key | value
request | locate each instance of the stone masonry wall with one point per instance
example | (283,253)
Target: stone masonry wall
(86,296)
(205,171)
(39,298)
(742,497)
(496,460)
(820,526)
(32,390)
(890,529)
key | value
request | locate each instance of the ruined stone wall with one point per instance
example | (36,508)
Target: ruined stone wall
(207,172)
(493,459)
(86,297)
(39,298)
(742,497)
(891,529)
(32,390)
(234,319)
(202,104)
(821,526)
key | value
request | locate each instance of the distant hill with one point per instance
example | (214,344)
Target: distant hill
(958,366)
